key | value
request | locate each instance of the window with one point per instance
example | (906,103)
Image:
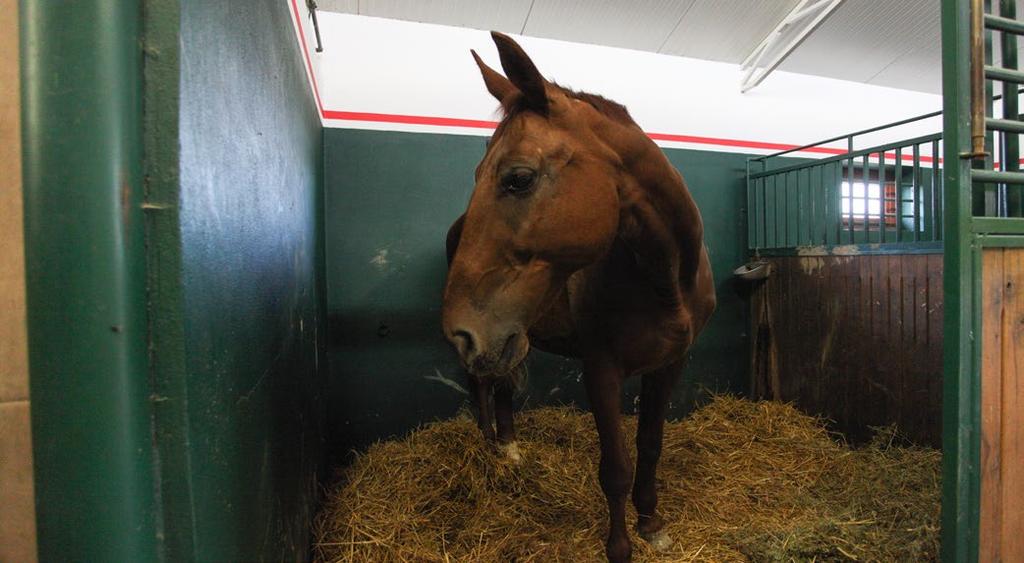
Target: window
(862,202)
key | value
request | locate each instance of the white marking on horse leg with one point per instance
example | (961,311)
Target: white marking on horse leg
(511,451)
(660,541)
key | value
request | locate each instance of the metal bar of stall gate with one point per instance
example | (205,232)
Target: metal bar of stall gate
(799,207)
(963,104)
(994,176)
(753,211)
(882,219)
(936,193)
(824,204)
(855,154)
(774,211)
(848,215)
(764,212)
(920,206)
(775,222)
(981,197)
(785,211)
(806,215)
(809,205)
(1010,145)
(919,199)
(898,194)
(1004,75)
(838,209)
(1005,125)
(764,207)
(1004,24)
(850,136)
(865,185)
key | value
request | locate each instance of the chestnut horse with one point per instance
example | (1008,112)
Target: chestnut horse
(580,239)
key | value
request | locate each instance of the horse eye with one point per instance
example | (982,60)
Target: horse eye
(518,180)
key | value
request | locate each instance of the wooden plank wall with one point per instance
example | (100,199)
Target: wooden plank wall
(1002,405)
(858,340)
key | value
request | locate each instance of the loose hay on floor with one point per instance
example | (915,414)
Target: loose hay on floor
(738,481)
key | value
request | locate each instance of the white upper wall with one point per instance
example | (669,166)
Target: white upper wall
(420,77)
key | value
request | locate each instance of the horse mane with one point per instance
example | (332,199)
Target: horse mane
(608,108)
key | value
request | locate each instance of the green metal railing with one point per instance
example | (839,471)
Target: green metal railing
(889,194)
(996,177)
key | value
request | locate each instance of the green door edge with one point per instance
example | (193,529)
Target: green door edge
(81,83)
(960,404)
(967,238)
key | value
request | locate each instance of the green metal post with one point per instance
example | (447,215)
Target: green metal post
(1011,141)
(86,279)
(960,421)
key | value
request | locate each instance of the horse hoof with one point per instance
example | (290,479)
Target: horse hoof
(511,451)
(660,541)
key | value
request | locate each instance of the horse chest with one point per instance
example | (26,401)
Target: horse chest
(625,321)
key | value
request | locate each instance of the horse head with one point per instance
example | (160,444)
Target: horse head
(545,204)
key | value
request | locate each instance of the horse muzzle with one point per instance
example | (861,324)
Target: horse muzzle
(493,356)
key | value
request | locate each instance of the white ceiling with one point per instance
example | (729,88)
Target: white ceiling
(884,42)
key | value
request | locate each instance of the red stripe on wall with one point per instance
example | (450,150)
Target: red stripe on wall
(411,119)
(305,52)
(739,143)
(481,124)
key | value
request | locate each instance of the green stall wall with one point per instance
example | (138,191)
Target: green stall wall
(390,198)
(174,228)
(251,283)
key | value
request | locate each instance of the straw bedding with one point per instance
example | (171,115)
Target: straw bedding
(738,481)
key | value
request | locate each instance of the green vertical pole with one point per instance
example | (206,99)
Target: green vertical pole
(1011,141)
(960,417)
(85,268)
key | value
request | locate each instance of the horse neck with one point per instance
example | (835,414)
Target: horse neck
(650,179)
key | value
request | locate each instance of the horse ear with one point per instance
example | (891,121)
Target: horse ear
(497,85)
(521,71)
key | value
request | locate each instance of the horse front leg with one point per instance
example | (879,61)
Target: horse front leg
(604,383)
(480,392)
(656,389)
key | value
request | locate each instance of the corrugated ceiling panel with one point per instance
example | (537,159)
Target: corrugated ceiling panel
(344,6)
(501,15)
(639,24)
(883,42)
(861,38)
(919,70)
(700,34)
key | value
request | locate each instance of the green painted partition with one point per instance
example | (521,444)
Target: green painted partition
(390,198)
(251,255)
(173,186)
(86,280)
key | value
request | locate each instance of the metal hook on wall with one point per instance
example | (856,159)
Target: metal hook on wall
(311,5)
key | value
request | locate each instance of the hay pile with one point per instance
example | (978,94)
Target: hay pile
(738,481)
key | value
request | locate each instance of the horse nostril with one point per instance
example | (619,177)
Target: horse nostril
(508,353)
(464,342)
